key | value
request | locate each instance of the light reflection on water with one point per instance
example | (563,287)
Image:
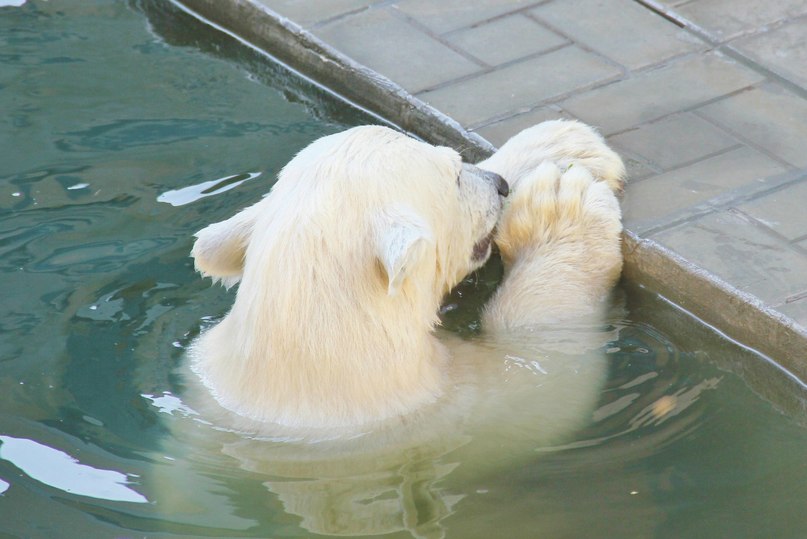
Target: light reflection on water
(192,193)
(688,436)
(59,470)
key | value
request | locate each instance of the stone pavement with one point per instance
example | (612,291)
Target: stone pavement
(705,99)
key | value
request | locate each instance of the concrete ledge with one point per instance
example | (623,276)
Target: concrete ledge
(739,316)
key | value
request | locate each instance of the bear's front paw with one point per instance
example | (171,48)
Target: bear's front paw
(551,207)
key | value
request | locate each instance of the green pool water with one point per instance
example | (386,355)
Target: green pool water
(128,126)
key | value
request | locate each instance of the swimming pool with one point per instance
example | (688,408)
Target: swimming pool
(128,127)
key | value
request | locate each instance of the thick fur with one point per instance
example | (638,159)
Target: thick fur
(318,312)
(564,142)
(560,233)
(342,268)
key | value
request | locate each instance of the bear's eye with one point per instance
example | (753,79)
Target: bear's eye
(458,178)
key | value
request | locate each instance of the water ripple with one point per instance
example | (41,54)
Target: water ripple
(97,257)
(132,133)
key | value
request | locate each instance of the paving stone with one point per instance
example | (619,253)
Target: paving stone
(447,15)
(727,19)
(400,50)
(652,94)
(498,133)
(783,50)
(767,116)
(622,30)
(741,253)
(782,210)
(506,39)
(675,140)
(300,11)
(661,199)
(519,86)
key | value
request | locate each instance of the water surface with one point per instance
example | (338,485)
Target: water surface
(127,127)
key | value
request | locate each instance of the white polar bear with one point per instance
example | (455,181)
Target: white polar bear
(344,264)
(342,268)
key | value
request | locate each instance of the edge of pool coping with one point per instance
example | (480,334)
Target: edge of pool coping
(736,315)
(283,40)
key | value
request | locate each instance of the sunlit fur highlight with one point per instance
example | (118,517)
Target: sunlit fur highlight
(321,334)
(565,142)
(559,235)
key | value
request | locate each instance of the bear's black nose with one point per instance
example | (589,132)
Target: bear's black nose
(501,185)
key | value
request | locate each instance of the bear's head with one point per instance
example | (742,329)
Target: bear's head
(342,270)
(366,193)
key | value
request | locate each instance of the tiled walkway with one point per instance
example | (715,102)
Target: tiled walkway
(705,99)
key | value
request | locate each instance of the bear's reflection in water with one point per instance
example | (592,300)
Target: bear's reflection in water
(507,399)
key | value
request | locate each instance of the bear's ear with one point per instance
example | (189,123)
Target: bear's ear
(403,239)
(220,248)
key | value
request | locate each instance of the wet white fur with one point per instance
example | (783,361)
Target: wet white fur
(522,386)
(563,142)
(560,233)
(344,264)
(342,268)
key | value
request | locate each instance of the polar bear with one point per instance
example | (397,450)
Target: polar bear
(344,264)
(342,269)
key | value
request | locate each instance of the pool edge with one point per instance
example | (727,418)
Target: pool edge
(285,41)
(737,315)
